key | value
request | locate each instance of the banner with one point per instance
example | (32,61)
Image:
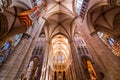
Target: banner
(27,18)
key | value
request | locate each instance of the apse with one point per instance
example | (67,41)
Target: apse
(60,53)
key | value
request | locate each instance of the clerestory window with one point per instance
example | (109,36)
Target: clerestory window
(81,7)
(59,59)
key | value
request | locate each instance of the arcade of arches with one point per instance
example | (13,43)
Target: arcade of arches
(60,40)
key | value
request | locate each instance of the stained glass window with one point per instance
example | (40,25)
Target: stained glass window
(16,39)
(91,70)
(111,41)
(2,58)
(63,58)
(36,2)
(6,46)
(81,7)
(59,58)
(78,6)
(78,40)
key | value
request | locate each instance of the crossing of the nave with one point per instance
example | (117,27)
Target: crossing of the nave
(59,40)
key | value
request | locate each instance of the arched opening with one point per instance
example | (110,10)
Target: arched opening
(32,69)
(60,56)
(80,45)
(36,62)
(79,41)
(64,78)
(60,76)
(107,28)
(55,75)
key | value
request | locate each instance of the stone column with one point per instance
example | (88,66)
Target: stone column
(11,68)
(45,63)
(76,63)
(6,68)
(107,62)
(70,74)
(34,35)
(108,59)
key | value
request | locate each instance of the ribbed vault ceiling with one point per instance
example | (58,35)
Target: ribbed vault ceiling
(59,18)
(60,46)
(103,19)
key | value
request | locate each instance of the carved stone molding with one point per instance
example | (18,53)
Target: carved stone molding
(4,4)
(112,2)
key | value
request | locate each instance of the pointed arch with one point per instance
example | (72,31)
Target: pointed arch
(95,6)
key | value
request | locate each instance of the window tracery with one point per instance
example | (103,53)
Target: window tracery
(80,44)
(78,6)
(36,2)
(32,69)
(79,41)
(59,59)
(81,7)
(110,42)
(60,49)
